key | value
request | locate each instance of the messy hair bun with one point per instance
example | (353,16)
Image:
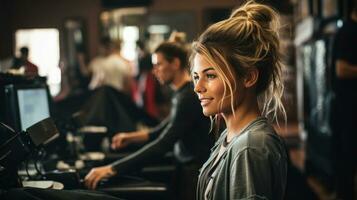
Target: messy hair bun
(255,12)
(247,39)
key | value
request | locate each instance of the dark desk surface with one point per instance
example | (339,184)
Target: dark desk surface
(134,188)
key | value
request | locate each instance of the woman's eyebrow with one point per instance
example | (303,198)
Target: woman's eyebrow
(207,69)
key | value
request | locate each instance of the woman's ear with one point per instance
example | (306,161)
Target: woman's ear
(251,78)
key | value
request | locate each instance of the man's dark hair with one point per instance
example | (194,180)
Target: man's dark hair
(171,50)
(24,50)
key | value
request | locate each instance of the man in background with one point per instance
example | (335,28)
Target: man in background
(185,131)
(23,61)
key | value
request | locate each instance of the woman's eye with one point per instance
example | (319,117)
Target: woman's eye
(211,76)
(195,78)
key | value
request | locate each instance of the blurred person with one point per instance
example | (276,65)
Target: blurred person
(109,69)
(344,121)
(109,102)
(236,70)
(22,61)
(148,94)
(185,131)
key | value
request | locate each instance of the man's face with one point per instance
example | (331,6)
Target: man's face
(163,70)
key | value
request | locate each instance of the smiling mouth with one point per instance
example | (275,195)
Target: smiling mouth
(205,101)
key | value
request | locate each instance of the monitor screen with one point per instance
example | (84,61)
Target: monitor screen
(33,106)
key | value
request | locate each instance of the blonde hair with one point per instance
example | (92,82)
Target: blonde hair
(248,39)
(179,37)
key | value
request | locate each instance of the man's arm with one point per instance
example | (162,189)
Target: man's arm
(155,132)
(181,121)
(121,140)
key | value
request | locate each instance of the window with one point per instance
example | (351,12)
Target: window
(44,52)
(130,36)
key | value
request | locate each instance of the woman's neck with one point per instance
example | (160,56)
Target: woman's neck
(245,113)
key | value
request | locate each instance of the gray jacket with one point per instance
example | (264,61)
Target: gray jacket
(254,165)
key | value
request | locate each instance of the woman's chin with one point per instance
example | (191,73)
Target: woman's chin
(208,113)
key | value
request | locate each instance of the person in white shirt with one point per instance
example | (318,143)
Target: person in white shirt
(110,69)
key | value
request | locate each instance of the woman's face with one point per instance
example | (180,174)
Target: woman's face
(209,87)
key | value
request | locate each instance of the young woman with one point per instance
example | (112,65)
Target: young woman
(236,69)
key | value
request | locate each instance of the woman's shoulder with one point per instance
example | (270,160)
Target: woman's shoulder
(260,137)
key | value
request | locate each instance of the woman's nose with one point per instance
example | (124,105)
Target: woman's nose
(199,88)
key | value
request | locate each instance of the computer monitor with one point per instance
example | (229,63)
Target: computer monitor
(26,105)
